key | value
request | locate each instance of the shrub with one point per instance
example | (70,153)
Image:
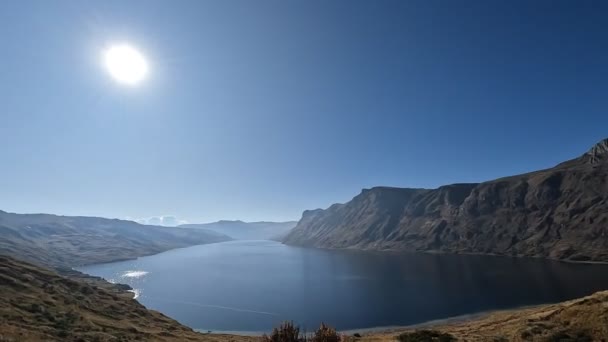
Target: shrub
(426,336)
(86,290)
(286,332)
(525,335)
(570,336)
(326,333)
(34,308)
(289,332)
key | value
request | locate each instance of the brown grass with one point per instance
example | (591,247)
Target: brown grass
(584,319)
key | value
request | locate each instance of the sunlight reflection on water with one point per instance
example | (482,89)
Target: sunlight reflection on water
(134,274)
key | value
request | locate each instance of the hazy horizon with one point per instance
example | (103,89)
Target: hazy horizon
(260,110)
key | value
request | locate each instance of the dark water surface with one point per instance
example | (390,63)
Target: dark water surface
(253,285)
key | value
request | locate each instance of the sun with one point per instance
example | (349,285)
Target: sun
(125,64)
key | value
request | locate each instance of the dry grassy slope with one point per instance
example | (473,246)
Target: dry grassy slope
(67,241)
(584,319)
(38,305)
(559,213)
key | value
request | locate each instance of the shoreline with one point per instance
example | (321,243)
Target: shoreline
(463,321)
(384,250)
(459,319)
(456,253)
(392,329)
(142,255)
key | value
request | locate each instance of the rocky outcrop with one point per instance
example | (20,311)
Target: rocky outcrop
(598,152)
(560,213)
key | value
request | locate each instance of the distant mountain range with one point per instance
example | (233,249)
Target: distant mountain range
(240,230)
(560,213)
(68,241)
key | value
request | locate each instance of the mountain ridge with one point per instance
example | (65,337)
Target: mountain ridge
(66,241)
(558,212)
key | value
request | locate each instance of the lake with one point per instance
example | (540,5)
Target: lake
(251,286)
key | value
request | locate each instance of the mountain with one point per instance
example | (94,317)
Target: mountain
(68,241)
(560,212)
(247,230)
(39,305)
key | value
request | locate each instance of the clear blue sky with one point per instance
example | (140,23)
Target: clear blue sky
(258,110)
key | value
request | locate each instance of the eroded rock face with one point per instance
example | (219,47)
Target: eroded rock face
(598,153)
(559,213)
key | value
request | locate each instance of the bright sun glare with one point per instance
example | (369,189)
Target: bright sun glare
(125,64)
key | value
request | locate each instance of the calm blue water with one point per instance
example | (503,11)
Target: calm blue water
(253,285)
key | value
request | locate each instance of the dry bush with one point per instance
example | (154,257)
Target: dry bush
(286,332)
(326,333)
(289,332)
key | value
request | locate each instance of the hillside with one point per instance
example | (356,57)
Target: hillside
(584,320)
(560,213)
(240,230)
(39,305)
(68,241)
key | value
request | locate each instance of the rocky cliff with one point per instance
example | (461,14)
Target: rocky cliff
(560,213)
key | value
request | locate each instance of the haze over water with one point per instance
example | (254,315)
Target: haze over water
(251,286)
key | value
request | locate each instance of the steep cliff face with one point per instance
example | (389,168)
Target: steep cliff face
(559,213)
(597,153)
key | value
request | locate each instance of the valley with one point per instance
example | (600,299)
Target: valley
(303,171)
(364,251)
